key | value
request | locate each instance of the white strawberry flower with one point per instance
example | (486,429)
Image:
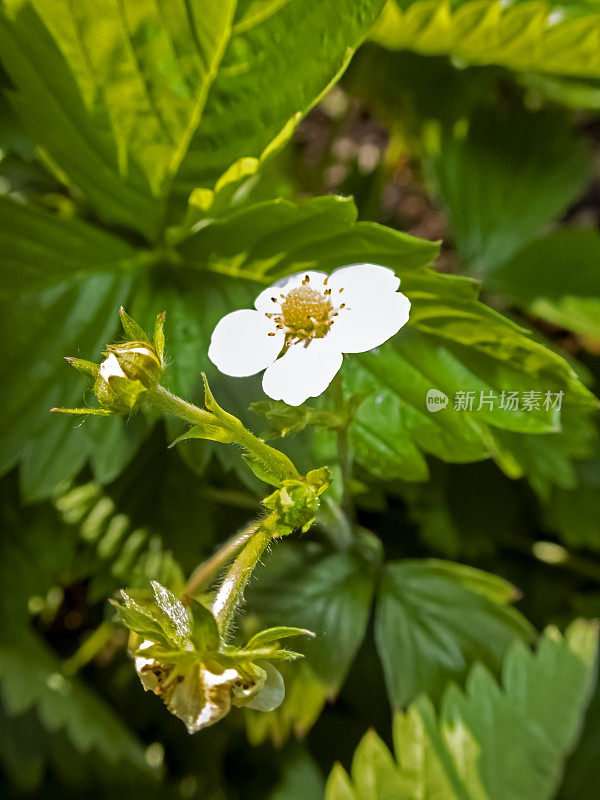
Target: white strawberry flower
(303,324)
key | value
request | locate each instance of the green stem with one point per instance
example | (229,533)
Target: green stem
(232,588)
(279,465)
(205,571)
(89,649)
(167,401)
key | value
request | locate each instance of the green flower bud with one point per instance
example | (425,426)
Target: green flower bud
(128,371)
(297,501)
(139,361)
(115,391)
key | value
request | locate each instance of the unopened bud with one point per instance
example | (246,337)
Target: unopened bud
(114,390)
(128,371)
(138,361)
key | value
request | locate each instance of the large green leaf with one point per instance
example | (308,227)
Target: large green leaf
(489,743)
(267,240)
(455,344)
(557,278)
(151,63)
(502,177)
(38,248)
(525,36)
(139,98)
(435,619)
(282,56)
(76,140)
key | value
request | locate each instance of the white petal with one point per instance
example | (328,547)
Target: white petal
(110,368)
(302,372)
(361,278)
(203,697)
(367,323)
(241,345)
(264,300)
(272,695)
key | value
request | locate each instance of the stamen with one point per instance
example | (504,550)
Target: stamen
(327,291)
(274,299)
(343,305)
(272,333)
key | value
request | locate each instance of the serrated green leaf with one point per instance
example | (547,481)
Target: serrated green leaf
(339,786)
(453,343)
(274,238)
(172,98)
(374,772)
(435,619)
(530,723)
(154,69)
(525,36)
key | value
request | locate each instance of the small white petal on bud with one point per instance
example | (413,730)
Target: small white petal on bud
(110,368)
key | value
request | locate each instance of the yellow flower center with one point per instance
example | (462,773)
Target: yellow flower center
(306,311)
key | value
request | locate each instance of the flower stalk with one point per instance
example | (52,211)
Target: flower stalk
(230,593)
(207,570)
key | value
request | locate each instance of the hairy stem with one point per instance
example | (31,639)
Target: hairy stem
(277,462)
(205,571)
(232,588)
(168,401)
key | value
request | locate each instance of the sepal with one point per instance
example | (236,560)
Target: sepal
(296,503)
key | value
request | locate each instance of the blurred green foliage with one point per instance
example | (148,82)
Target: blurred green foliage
(161,155)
